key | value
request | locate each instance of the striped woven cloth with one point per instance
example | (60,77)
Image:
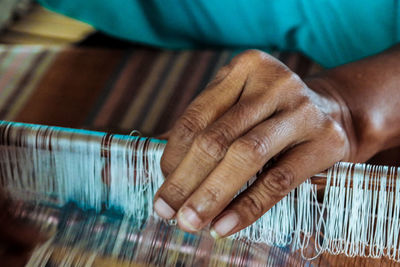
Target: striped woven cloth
(120,90)
(141,89)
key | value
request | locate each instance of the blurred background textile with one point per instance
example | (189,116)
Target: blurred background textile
(58,71)
(24,22)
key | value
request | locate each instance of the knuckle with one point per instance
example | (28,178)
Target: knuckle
(305,109)
(337,137)
(252,148)
(288,79)
(243,110)
(221,74)
(189,124)
(253,54)
(304,102)
(328,125)
(213,193)
(174,192)
(295,89)
(250,56)
(278,182)
(295,80)
(254,205)
(212,143)
(335,133)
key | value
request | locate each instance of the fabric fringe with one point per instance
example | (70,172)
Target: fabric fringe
(358,215)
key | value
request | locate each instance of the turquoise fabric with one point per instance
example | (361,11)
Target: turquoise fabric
(331,32)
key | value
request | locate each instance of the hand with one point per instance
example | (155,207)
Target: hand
(254,110)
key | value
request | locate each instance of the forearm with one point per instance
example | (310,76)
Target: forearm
(368,93)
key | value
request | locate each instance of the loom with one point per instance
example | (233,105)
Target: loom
(92,193)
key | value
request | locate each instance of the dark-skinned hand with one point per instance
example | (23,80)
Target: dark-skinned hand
(255,110)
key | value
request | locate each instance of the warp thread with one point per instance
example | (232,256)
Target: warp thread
(99,239)
(99,171)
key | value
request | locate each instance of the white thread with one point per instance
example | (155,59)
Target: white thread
(354,218)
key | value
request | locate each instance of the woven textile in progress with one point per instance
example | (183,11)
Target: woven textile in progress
(117,90)
(92,192)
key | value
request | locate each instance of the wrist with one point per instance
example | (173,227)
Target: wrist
(364,140)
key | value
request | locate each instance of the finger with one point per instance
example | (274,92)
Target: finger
(244,158)
(208,149)
(218,97)
(224,91)
(291,170)
(210,146)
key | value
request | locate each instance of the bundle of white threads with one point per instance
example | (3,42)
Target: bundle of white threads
(358,216)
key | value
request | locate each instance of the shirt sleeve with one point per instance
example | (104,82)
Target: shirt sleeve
(331,32)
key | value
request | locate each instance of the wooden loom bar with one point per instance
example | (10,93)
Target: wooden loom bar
(78,135)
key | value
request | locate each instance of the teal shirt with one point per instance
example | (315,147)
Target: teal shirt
(331,32)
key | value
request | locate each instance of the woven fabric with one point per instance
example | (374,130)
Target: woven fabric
(141,89)
(121,90)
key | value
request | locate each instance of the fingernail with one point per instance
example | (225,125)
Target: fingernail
(225,225)
(189,218)
(163,209)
